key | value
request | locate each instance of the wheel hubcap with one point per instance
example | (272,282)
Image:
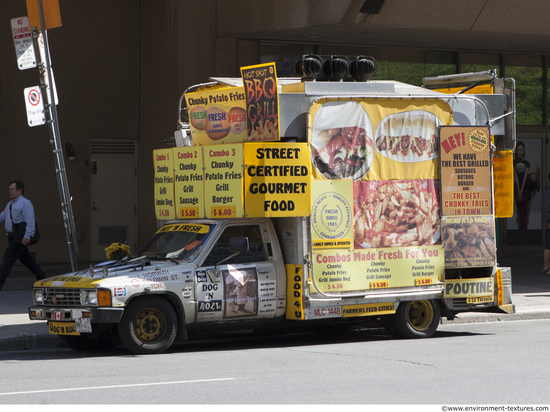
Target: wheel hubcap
(420,314)
(150,325)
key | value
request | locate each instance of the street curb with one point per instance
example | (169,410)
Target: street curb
(32,341)
(473,317)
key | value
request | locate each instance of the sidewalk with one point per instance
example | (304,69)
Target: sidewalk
(530,295)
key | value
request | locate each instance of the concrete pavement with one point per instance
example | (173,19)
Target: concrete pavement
(530,295)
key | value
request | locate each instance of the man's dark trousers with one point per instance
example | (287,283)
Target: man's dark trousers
(19,251)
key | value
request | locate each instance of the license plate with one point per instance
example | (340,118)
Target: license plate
(83,325)
(480,299)
(63,328)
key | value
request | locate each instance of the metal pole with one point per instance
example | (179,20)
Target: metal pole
(50,109)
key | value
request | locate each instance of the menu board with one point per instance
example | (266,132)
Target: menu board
(465,170)
(188,182)
(223,172)
(262,102)
(164,184)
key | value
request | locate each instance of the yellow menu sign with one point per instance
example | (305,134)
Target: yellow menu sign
(223,172)
(217,116)
(465,170)
(277,179)
(189,182)
(164,184)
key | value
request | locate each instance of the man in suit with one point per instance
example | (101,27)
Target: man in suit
(18,210)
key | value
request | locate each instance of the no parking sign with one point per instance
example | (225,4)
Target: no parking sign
(35,107)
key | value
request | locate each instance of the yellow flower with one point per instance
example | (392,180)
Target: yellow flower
(117,251)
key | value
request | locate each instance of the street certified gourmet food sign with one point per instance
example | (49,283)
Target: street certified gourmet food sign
(277,179)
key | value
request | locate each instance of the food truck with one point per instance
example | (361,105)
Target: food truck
(307,201)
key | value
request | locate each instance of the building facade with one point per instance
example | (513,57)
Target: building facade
(121,66)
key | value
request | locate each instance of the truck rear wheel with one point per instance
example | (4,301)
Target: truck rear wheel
(417,318)
(149,325)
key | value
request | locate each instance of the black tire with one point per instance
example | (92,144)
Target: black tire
(417,318)
(85,343)
(149,325)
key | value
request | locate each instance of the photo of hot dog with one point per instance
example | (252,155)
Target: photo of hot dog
(409,136)
(342,145)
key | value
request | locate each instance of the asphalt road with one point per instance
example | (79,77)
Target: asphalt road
(496,363)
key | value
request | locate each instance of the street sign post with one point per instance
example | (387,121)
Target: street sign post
(36,115)
(41,101)
(22,39)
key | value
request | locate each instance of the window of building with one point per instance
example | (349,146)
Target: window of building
(527,72)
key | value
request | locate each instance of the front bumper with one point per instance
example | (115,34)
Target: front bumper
(64,314)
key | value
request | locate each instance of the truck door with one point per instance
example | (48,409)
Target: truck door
(243,286)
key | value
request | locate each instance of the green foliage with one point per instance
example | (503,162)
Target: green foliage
(411,73)
(528,94)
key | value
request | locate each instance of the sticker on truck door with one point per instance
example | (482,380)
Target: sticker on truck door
(226,292)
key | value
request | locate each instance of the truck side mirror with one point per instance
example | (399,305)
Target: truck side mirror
(239,245)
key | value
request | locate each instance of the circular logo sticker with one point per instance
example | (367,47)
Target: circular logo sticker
(479,140)
(331,216)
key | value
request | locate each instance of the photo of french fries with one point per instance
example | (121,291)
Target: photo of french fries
(469,243)
(396,213)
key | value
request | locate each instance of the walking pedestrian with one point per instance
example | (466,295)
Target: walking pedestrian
(18,211)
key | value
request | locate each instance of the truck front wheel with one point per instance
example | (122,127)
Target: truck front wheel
(417,318)
(148,325)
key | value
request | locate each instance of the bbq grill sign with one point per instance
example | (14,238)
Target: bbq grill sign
(465,171)
(262,102)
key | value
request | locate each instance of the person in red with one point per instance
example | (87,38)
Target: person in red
(18,210)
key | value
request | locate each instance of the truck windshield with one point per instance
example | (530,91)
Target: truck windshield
(181,241)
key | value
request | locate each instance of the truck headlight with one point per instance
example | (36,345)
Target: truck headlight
(90,297)
(38,296)
(96,297)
